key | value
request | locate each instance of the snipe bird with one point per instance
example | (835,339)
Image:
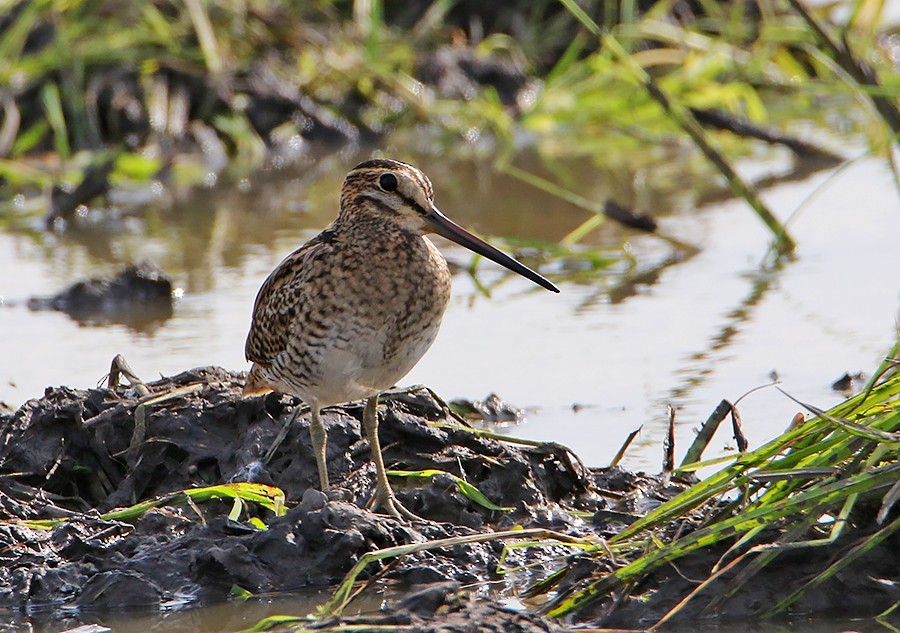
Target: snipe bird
(349,313)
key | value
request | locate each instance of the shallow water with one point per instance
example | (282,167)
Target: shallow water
(588,365)
(230,616)
(238,616)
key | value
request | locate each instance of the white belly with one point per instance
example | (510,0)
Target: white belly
(364,370)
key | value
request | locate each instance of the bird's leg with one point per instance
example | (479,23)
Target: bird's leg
(384,495)
(319,440)
(317,435)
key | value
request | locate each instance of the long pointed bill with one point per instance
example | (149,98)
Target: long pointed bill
(445,227)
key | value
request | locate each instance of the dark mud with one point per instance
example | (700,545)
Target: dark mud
(138,296)
(443,608)
(70,452)
(80,453)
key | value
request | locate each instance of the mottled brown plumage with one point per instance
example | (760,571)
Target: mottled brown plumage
(350,312)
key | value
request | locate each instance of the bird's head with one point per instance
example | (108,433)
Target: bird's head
(393,191)
(401,194)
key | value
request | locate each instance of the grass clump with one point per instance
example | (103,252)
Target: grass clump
(828,485)
(239,80)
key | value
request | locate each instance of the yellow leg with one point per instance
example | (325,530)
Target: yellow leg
(319,441)
(384,496)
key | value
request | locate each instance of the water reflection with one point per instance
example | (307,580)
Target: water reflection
(242,615)
(701,362)
(217,618)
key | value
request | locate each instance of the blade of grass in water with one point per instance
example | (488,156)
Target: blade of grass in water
(344,593)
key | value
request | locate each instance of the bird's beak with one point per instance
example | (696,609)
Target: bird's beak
(445,227)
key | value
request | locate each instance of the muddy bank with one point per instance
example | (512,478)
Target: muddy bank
(73,451)
(80,453)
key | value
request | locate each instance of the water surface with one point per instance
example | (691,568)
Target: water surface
(589,364)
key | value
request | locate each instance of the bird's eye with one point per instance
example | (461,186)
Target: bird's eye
(388,182)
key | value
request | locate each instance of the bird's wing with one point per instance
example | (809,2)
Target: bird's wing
(282,298)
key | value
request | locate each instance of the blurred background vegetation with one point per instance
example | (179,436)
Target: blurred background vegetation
(103,93)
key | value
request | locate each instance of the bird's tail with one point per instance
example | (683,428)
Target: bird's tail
(256,383)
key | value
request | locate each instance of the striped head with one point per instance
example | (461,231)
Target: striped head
(401,194)
(391,190)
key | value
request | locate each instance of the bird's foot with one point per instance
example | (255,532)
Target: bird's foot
(389,503)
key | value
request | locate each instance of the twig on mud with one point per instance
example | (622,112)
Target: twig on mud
(554,447)
(621,452)
(705,434)
(57,461)
(150,399)
(669,442)
(140,415)
(120,367)
(738,431)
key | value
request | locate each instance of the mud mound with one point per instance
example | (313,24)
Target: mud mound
(97,449)
(77,454)
(79,444)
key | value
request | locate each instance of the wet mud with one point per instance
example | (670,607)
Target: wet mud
(77,454)
(445,608)
(73,453)
(138,296)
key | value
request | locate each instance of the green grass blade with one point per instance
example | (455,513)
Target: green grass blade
(464,486)
(273,621)
(269,497)
(579,13)
(206,35)
(53,109)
